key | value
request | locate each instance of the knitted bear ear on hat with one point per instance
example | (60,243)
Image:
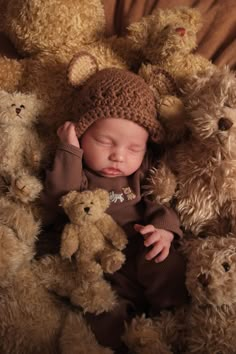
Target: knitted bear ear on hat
(82,66)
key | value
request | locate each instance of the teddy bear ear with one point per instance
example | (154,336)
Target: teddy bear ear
(190,16)
(103,196)
(67,199)
(82,66)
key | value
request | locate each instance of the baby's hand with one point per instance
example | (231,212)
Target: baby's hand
(67,134)
(159,238)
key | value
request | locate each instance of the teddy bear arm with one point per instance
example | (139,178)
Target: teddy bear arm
(33,152)
(69,241)
(112,232)
(11,73)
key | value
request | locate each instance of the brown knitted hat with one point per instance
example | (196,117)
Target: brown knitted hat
(117,93)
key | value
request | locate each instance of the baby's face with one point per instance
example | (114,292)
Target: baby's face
(114,147)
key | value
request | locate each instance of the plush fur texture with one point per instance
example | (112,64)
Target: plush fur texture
(33,319)
(165,40)
(207,324)
(96,241)
(48,46)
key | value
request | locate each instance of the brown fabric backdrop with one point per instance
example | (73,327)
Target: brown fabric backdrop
(217,39)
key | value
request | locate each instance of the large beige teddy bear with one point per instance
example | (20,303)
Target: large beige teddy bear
(165,41)
(21,149)
(48,34)
(33,319)
(204,163)
(96,241)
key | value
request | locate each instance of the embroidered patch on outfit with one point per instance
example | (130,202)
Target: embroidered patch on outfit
(127,194)
(115,197)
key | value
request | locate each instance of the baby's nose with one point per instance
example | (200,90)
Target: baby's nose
(18,110)
(117,156)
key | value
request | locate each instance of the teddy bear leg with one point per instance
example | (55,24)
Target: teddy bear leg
(143,337)
(77,337)
(24,187)
(94,297)
(111,260)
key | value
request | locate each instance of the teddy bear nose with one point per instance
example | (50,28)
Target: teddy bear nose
(181,31)
(18,110)
(86,209)
(203,279)
(225,124)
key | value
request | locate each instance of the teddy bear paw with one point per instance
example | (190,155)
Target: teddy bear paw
(95,297)
(171,107)
(25,188)
(112,262)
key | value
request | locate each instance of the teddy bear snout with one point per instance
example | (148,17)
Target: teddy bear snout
(204,279)
(225,124)
(181,31)
(18,110)
(86,209)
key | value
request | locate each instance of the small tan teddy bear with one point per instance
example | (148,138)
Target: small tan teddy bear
(96,241)
(33,319)
(207,324)
(20,145)
(166,40)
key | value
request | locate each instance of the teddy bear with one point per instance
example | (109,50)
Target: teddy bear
(33,318)
(96,242)
(48,34)
(22,153)
(165,41)
(207,324)
(204,163)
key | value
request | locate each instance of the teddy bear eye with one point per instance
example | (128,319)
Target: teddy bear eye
(13,105)
(226,266)
(22,106)
(224,124)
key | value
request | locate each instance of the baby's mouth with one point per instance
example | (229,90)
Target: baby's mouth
(111,171)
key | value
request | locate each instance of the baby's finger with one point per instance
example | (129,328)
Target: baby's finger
(154,252)
(163,255)
(149,240)
(147,229)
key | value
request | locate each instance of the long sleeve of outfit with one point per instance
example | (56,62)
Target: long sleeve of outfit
(127,207)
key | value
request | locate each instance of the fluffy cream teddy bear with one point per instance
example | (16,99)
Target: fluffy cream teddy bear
(96,241)
(165,41)
(207,324)
(33,319)
(204,163)
(48,34)
(20,145)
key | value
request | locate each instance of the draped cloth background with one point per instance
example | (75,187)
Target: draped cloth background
(216,40)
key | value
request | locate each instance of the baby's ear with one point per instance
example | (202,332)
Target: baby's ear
(82,66)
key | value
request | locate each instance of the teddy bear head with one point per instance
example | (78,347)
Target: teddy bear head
(37,25)
(19,108)
(18,232)
(165,32)
(210,102)
(211,270)
(85,207)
